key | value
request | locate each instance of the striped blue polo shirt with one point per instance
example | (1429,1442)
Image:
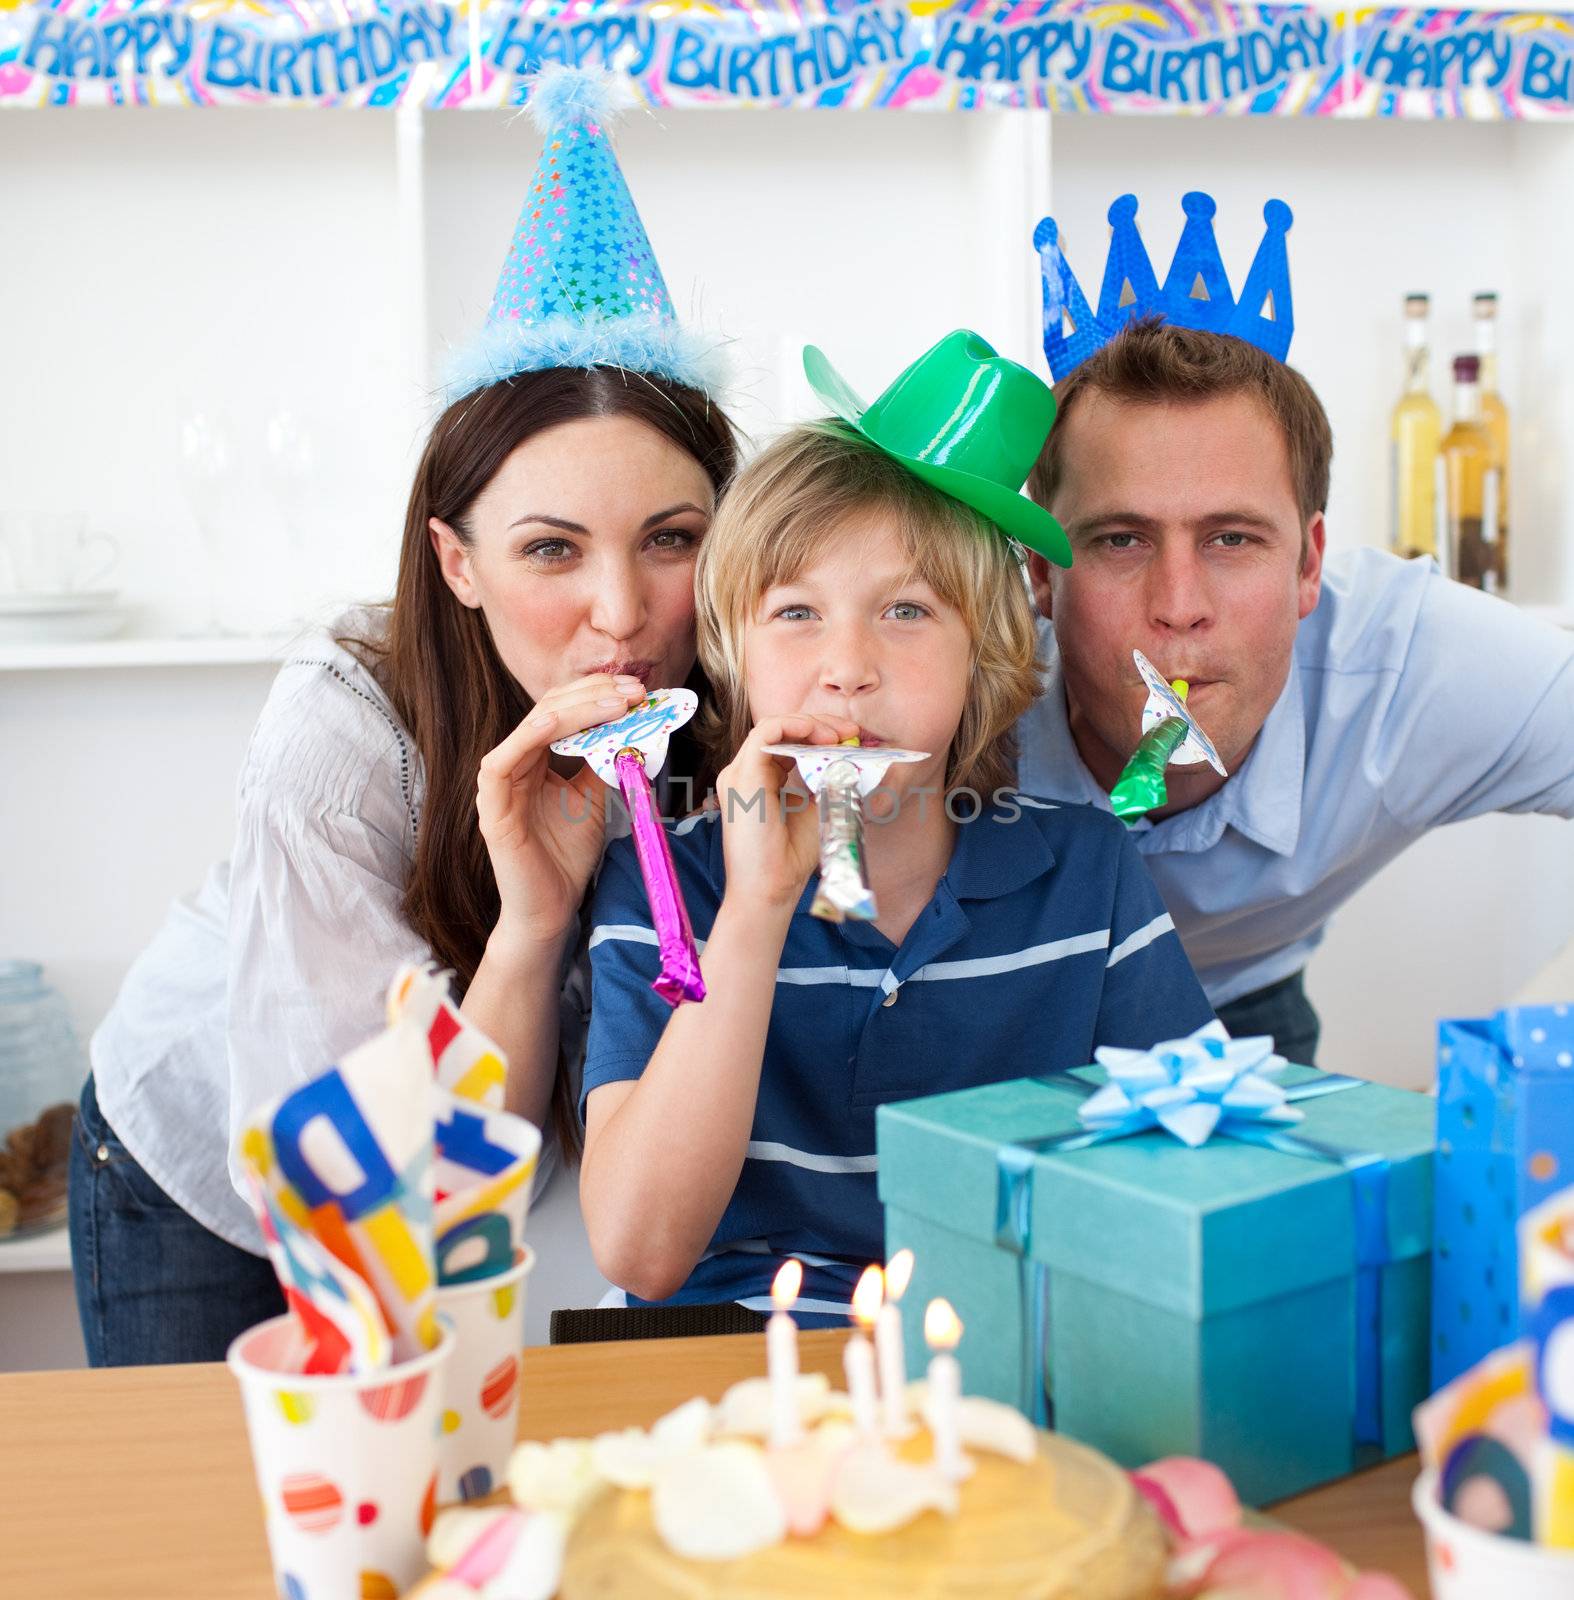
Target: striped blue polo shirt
(1044,938)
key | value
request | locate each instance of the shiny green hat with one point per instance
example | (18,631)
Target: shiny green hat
(966,420)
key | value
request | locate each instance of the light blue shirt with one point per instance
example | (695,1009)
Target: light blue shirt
(1411,702)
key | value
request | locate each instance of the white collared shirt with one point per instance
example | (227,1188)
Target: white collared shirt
(1411,702)
(279,964)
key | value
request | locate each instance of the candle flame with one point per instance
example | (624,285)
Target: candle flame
(786,1284)
(867,1297)
(898,1274)
(942,1326)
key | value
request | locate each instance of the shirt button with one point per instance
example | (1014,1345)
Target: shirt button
(890,999)
(102,1153)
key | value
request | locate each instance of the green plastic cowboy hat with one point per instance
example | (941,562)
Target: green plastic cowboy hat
(966,420)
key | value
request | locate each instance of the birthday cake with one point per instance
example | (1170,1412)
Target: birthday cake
(699,1507)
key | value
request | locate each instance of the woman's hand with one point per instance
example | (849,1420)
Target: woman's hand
(770,834)
(544,832)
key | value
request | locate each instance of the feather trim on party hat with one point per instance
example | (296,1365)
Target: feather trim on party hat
(561,96)
(581,286)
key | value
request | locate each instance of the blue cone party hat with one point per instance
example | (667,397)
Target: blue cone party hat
(581,286)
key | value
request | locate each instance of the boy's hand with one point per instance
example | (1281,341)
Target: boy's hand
(770,832)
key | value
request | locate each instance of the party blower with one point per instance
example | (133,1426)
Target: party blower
(626,755)
(841,777)
(1171,737)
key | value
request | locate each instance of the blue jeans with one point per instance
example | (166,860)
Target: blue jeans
(152,1284)
(1282,1010)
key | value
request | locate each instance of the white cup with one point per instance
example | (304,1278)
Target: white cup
(347,1464)
(1468,1563)
(480,1419)
(51,552)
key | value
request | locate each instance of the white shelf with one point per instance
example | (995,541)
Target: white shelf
(113,653)
(43,1252)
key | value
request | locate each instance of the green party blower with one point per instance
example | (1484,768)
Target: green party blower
(1170,736)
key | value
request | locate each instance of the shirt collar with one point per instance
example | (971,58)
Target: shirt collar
(996,854)
(1261,801)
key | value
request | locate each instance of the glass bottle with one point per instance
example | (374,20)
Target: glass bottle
(1468,486)
(1495,415)
(1415,428)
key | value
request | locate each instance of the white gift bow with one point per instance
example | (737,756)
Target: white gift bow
(1188,1087)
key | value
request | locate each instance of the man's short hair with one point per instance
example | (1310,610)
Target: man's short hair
(1154,363)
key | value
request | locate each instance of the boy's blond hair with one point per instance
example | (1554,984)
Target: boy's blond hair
(779,514)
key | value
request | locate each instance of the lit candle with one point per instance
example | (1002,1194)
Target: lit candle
(889,1355)
(942,1330)
(858,1357)
(781,1356)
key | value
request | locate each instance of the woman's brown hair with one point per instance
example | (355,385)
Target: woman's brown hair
(440,668)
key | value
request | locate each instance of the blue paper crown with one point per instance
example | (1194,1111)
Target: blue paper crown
(1196,294)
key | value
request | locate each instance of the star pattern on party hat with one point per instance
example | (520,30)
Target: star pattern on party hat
(581,285)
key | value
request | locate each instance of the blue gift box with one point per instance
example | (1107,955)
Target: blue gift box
(1262,1309)
(1505,1142)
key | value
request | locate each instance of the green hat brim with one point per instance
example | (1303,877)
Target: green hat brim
(1013,513)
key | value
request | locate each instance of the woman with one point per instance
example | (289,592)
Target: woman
(398,799)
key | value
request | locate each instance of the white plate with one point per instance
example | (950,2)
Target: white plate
(62,627)
(28,603)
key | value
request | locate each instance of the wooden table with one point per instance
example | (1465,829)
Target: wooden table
(136,1484)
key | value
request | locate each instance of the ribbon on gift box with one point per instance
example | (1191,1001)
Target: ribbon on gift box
(1194,1088)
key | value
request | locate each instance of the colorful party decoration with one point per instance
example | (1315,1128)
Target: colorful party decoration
(340,1174)
(342,1478)
(1071,56)
(377,1179)
(485,1157)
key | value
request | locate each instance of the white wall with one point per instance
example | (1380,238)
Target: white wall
(161,266)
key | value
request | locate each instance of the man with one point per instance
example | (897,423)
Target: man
(1356,704)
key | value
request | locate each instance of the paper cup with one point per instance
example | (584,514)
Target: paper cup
(481,1387)
(1467,1563)
(347,1465)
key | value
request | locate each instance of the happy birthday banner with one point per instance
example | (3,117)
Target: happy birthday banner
(1111,57)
